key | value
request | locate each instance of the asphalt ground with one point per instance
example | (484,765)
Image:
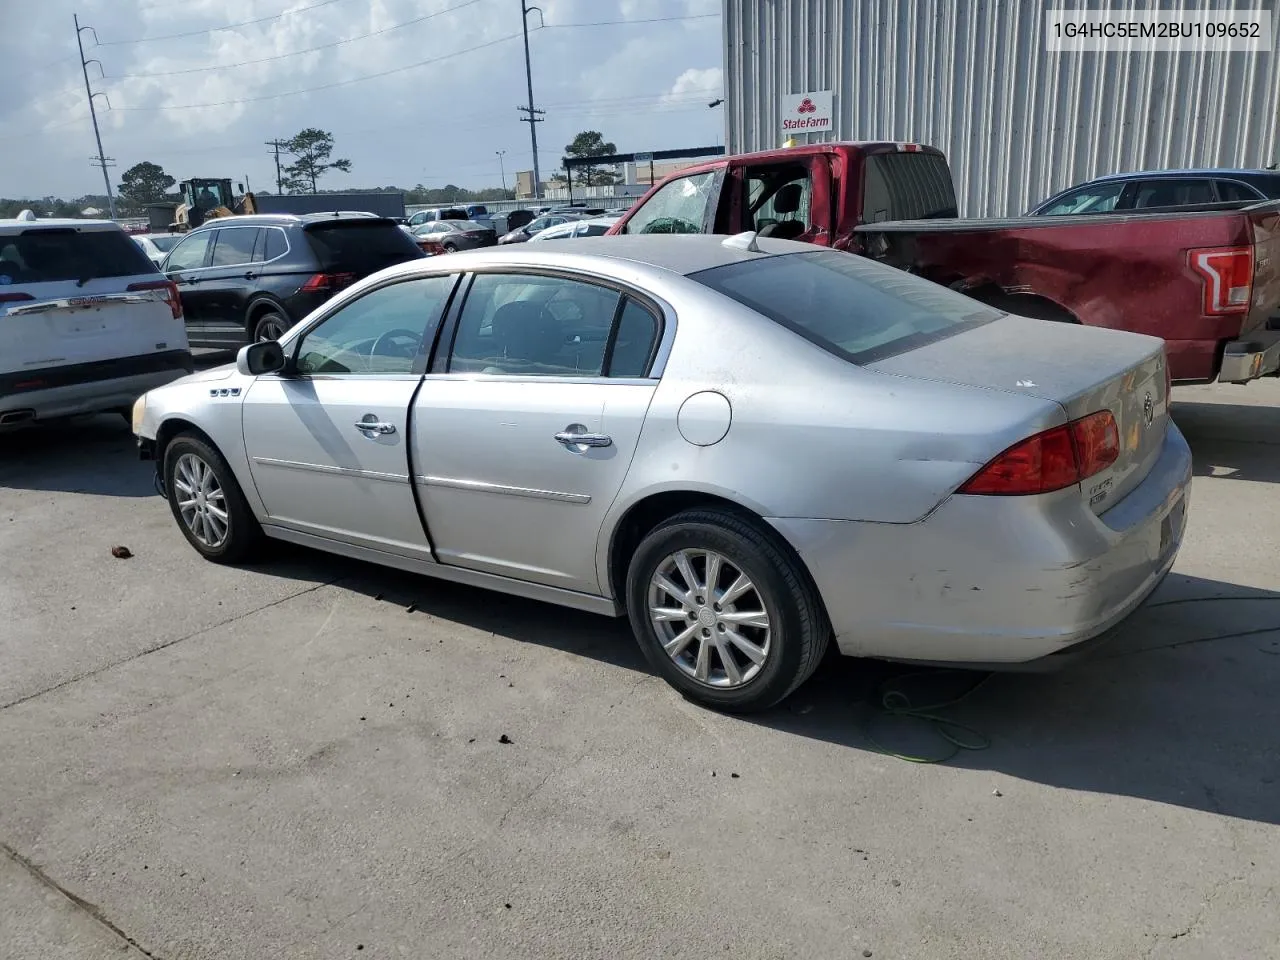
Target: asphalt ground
(306,758)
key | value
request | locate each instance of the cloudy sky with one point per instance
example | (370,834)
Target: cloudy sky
(414,91)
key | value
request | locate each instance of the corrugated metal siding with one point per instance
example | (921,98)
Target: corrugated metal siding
(972,77)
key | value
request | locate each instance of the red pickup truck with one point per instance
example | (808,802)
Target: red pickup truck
(1205,278)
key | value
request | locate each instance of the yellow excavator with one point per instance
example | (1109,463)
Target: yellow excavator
(205,199)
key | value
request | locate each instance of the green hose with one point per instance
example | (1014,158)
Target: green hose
(895,702)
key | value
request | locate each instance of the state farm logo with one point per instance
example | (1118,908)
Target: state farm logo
(807,115)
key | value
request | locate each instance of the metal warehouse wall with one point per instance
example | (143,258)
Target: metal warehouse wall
(972,77)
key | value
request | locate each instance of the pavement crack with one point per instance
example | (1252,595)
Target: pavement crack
(166,644)
(502,821)
(93,910)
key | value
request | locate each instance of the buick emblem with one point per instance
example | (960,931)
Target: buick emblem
(1148,409)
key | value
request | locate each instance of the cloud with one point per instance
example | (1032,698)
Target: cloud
(706,82)
(446,103)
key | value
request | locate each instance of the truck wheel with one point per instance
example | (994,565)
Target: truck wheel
(723,612)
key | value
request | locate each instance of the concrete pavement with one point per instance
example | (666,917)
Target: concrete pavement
(284,760)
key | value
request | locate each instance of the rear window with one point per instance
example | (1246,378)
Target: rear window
(907,186)
(852,307)
(167,243)
(351,246)
(52,254)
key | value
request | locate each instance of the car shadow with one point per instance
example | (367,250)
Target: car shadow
(1179,707)
(1232,441)
(94,454)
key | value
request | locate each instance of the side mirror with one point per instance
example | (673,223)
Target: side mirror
(260,358)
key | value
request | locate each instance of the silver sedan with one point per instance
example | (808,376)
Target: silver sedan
(746,447)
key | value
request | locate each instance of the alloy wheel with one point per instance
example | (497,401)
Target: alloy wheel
(710,618)
(201,500)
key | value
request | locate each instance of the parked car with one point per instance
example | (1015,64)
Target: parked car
(87,322)
(522,234)
(440,213)
(746,446)
(251,278)
(1162,189)
(156,245)
(1207,281)
(449,236)
(587,227)
(473,210)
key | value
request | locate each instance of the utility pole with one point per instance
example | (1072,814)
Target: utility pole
(533,118)
(502,170)
(103,161)
(279,179)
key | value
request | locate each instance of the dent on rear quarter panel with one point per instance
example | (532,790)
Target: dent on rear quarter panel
(812,435)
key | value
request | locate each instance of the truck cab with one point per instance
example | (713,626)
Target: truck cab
(817,193)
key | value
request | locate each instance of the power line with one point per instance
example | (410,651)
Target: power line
(612,23)
(230,26)
(295,53)
(327,86)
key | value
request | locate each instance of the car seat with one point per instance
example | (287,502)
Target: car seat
(527,333)
(786,201)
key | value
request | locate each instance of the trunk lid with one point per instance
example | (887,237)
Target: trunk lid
(1083,369)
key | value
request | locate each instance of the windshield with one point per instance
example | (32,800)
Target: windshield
(360,247)
(52,254)
(852,307)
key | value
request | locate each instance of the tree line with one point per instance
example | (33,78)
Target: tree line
(311,151)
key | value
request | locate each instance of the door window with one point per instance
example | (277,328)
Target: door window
(778,200)
(1235,191)
(233,246)
(538,326)
(679,207)
(273,243)
(189,254)
(387,330)
(1173,193)
(1096,198)
(634,341)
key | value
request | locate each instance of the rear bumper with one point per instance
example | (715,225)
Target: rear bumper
(997,581)
(87,387)
(1245,360)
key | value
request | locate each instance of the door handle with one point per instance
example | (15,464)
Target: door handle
(251,276)
(584,439)
(374,425)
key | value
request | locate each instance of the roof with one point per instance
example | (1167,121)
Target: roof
(62,222)
(287,219)
(679,253)
(782,154)
(1190,172)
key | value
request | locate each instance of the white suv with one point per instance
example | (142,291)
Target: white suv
(87,322)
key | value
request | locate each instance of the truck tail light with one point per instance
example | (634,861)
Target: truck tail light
(169,293)
(1227,273)
(322,282)
(1052,460)
(15,297)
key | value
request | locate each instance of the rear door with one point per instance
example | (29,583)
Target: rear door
(229,281)
(524,431)
(74,298)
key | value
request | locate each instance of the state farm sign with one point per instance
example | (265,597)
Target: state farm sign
(807,112)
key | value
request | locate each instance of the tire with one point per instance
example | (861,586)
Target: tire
(450,248)
(270,325)
(791,643)
(241,536)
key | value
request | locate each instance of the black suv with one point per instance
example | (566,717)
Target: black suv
(251,278)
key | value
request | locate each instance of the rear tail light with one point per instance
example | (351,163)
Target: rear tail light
(323,282)
(1227,273)
(169,293)
(433,248)
(15,297)
(1052,460)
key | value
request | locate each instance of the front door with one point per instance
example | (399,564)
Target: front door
(185,266)
(328,443)
(228,282)
(523,437)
